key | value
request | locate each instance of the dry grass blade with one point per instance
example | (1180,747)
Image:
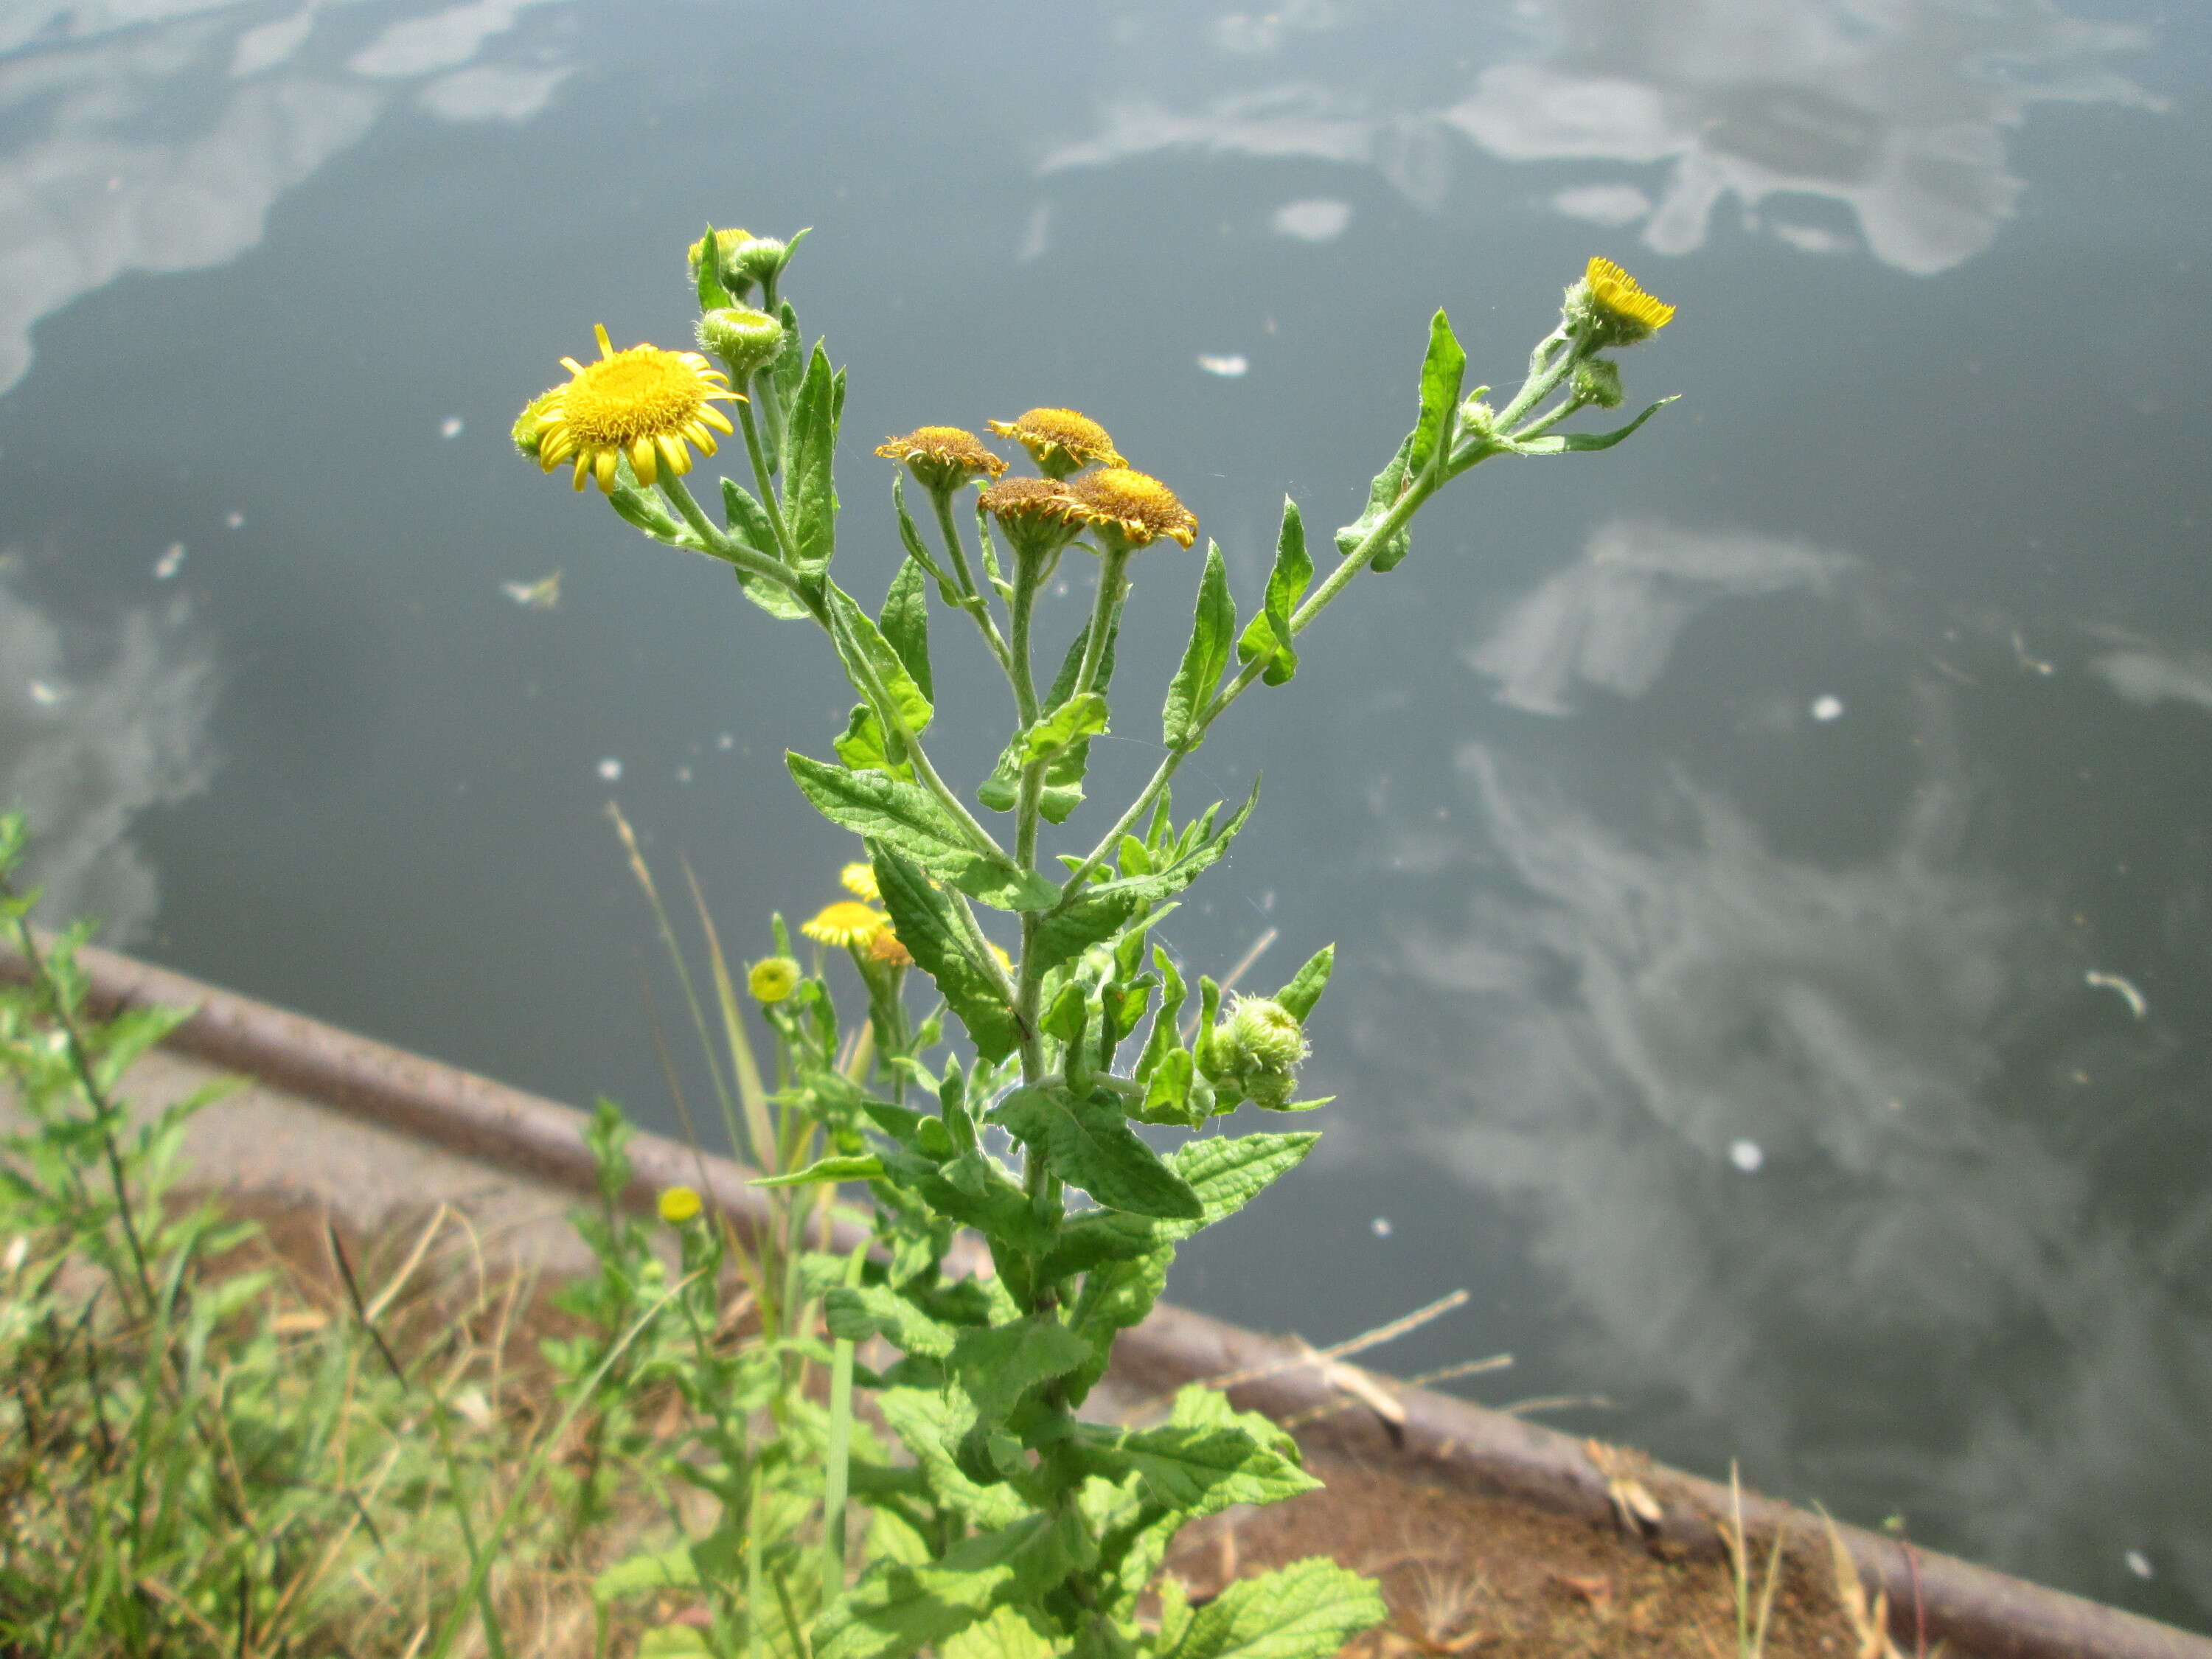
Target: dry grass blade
(1868,1620)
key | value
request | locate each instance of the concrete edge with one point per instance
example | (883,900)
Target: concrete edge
(1451,1442)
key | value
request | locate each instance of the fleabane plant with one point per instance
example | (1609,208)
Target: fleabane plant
(1019,1529)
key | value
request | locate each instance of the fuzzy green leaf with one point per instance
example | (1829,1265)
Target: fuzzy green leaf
(997,1366)
(1092,1147)
(1117,1295)
(896,1610)
(924,922)
(1299,997)
(1205,1457)
(1307,1610)
(1442,372)
(931,1423)
(857,1312)
(1006,1634)
(863,747)
(748,522)
(826,1170)
(810,494)
(866,651)
(1205,659)
(1381,495)
(905,623)
(1076,719)
(1579,443)
(909,820)
(1225,1174)
(1268,635)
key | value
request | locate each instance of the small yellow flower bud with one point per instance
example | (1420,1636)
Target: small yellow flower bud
(772,979)
(679,1205)
(747,340)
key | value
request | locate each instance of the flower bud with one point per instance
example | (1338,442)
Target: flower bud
(679,1205)
(755,260)
(747,340)
(1597,382)
(530,426)
(1257,1047)
(772,979)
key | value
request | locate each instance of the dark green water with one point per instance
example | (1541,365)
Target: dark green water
(1721,833)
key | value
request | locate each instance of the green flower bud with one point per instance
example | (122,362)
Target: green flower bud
(747,340)
(755,260)
(1258,1048)
(773,979)
(1597,382)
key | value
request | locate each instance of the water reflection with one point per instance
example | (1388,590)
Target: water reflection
(1792,1133)
(92,737)
(156,138)
(1832,124)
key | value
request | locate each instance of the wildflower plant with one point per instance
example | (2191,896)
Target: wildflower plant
(1019,1528)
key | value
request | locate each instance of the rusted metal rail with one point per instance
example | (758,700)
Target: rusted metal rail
(1442,1440)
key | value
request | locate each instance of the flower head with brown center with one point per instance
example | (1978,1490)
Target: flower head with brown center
(848,922)
(885,948)
(642,405)
(1614,307)
(943,457)
(1134,506)
(1060,441)
(1039,515)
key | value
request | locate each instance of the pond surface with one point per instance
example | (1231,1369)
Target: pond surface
(1770,859)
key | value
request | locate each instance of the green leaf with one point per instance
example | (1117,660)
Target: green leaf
(1006,1634)
(1268,635)
(1092,1147)
(1165,1036)
(906,622)
(748,522)
(1167,1090)
(1299,997)
(1225,1174)
(916,550)
(826,1170)
(1575,442)
(997,1366)
(1076,719)
(857,633)
(1205,659)
(973,1190)
(863,747)
(1205,1458)
(909,821)
(924,924)
(1066,934)
(1117,1295)
(856,1312)
(1308,1610)
(1442,373)
(663,1569)
(931,1423)
(896,1610)
(1063,776)
(810,495)
(1381,495)
(789,365)
(1204,848)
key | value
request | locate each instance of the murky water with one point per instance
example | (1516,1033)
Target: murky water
(1770,859)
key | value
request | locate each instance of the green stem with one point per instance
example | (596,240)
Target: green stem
(1544,377)
(718,542)
(771,411)
(1416,495)
(762,478)
(837,1472)
(975,605)
(1105,609)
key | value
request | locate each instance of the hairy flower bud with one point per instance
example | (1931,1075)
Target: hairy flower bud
(772,979)
(1597,382)
(755,259)
(747,340)
(1258,1048)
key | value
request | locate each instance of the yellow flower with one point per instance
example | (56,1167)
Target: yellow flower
(1060,441)
(885,948)
(849,921)
(1004,961)
(644,405)
(860,880)
(1621,311)
(679,1205)
(943,457)
(772,979)
(1135,505)
(1039,515)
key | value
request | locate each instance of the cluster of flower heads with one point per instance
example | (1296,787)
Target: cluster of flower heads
(1125,508)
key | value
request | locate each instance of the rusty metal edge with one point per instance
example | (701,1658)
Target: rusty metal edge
(1443,1439)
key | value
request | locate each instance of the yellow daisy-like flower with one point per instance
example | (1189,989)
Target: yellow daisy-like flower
(849,921)
(1135,505)
(943,457)
(679,1205)
(645,404)
(1623,311)
(885,948)
(1060,441)
(772,979)
(860,880)
(1039,515)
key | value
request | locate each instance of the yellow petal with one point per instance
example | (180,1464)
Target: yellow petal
(572,366)
(606,346)
(679,458)
(583,466)
(605,467)
(641,460)
(715,417)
